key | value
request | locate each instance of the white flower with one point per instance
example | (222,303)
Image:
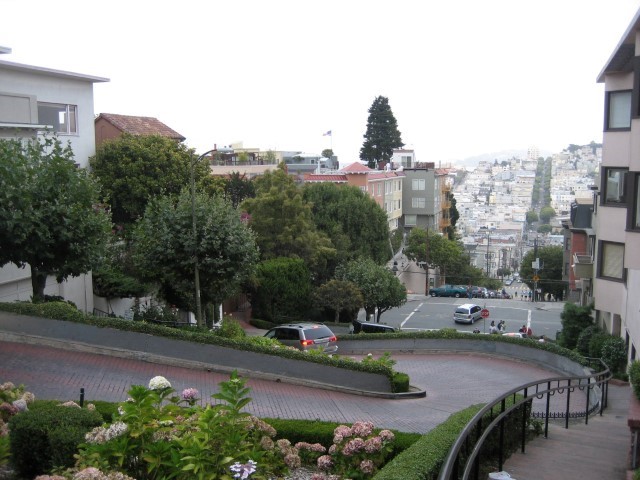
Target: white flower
(159,383)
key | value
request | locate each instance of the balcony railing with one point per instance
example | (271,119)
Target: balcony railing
(582,266)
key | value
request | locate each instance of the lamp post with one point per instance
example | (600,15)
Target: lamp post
(195,236)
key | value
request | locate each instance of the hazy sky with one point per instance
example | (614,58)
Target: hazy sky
(463,77)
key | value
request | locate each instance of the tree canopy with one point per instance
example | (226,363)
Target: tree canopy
(165,252)
(550,273)
(284,223)
(354,221)
(339,296)
(382,134)
(546,213)
(438,251)
(133,169)
(381,290)
(50,218)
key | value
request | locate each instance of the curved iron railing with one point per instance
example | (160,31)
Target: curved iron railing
(463,460)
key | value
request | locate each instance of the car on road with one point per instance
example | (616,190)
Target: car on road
(467,313)
(479,292)
(358,326)
(448,291)
(305,336)
(515,335)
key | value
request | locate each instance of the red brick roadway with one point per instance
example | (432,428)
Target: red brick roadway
(452,382)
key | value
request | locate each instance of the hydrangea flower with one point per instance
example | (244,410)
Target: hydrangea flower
(190,394)
(21,405)
(159,383)
(243,470)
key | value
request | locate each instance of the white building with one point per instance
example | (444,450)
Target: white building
(33,99)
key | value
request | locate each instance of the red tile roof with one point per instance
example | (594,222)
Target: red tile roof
(320,177)
(140,125)
(356,167)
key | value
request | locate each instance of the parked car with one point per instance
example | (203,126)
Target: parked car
(449,291)
(358,326)
(305,336)
(515,335)
(479,292)
(467,313)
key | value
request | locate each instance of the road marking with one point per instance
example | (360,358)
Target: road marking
(410,315)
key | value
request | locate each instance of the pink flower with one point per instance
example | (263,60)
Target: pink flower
(292,460)
(190,394)
(387,435)
(325,462)
(373,445)
(362,429)
(367,466)
(353,446)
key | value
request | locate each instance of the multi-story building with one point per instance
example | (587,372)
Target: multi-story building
(617,216)
(37,99)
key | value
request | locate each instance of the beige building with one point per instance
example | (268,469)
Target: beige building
(617,208)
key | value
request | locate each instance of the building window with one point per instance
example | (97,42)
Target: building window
(611,263)
(378,189)
(613,187)
(387,188)
(618,110)
(418,184)
(364,189)
(63,118)
(410,220)
(418,202)
(633,219)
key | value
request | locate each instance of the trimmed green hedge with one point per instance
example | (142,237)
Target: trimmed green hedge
(47,437)
(634,377)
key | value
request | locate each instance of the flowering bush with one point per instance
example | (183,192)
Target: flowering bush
(13,400)
(159,434)
(357,452)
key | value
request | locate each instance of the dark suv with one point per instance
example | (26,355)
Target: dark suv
(358,326)
(305,336)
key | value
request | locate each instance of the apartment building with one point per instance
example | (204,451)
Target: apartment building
(616,279)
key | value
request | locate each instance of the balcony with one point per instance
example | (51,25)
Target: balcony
(582,266)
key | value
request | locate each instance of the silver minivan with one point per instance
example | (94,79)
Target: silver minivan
(305,336)
(467,313)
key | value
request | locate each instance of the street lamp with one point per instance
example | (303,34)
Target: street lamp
(195,236)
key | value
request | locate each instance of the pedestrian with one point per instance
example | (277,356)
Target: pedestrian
(523,329)
(515,294)
(469,291)
(530,295)
(529,332)
(493,328)
(502,326)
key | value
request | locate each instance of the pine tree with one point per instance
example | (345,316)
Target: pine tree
(382,134)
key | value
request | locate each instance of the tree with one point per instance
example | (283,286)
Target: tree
(379,287)
(165,252)
(50,218)
(133,169)
(282,290)
(382,134)
(327,153)
(238,187)
(283,222)
(575,320)
(438,251)
(531,217)
(546,213)
(355,223)
(544,228)
(550,272)
(454,215)
(339,296)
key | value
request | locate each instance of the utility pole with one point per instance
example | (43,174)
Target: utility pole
(536,267)
(488,255)
(426,263)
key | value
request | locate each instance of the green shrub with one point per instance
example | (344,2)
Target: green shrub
(575,319)
(582,346)
(634,377)
(636,474)
(231,328)
(55,310)
(106,409)
(614,354)
(596,343)
(48,436)
(400,382)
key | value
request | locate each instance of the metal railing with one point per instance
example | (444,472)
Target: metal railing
(463,460)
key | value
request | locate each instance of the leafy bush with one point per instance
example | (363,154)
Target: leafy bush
(47,437)
(634,377)
(231,328)
(109,282)
(614,354)
(400,382)
(584,338)
(596,343)
(263,324)
(575,319)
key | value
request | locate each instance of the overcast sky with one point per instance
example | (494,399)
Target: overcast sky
(463,78)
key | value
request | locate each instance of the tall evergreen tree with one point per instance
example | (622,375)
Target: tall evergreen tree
(382,134)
